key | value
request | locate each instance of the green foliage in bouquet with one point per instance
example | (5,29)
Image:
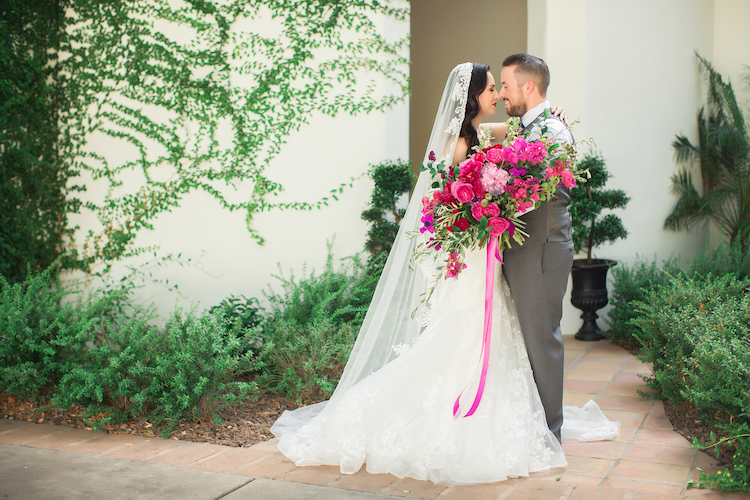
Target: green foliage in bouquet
(392,180)
(723,155)
(587,203)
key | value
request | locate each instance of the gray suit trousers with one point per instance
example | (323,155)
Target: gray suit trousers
(538,277)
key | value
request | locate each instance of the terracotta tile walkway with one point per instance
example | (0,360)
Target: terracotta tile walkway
(648,461)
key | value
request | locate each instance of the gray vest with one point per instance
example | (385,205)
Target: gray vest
(551,221)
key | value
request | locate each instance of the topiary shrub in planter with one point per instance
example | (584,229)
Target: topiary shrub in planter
(589,231)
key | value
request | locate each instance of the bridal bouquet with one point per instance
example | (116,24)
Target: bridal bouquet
(483,197)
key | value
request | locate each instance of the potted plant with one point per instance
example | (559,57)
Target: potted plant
(590,230)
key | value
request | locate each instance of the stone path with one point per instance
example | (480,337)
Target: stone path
(649,461)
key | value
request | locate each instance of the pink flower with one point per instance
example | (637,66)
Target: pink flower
(498,225)
(462,191)
(491,210)
(494,155)
(454,266)
(478,157)
(568,180)
(494,179)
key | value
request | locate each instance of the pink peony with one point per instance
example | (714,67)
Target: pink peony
(498,225)
(462,191)
(494,179)
(491,210)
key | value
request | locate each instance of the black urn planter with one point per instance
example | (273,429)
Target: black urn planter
(589,294)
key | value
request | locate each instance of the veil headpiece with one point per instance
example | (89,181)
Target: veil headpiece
(389,329)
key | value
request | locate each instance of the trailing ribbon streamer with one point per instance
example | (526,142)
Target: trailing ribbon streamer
(493,252)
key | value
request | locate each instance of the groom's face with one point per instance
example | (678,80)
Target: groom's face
(511,92)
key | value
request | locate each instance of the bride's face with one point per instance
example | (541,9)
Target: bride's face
(487,100)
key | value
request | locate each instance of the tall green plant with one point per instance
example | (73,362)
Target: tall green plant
(33,176)
(392,180)
(723,156)
(587,203)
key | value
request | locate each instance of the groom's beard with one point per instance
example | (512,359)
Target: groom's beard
(517,110)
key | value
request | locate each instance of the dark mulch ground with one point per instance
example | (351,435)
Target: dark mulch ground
(242,425)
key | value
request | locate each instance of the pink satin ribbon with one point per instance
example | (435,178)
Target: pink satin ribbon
(493,252)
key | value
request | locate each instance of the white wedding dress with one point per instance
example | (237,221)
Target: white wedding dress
(393,408)
(399,420)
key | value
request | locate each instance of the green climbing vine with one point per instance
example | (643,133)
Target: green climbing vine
(199,95)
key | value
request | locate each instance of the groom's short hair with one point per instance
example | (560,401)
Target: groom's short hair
(532,68)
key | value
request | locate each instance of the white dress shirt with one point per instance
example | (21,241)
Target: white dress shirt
(555,128)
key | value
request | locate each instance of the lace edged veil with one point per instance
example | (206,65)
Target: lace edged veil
(388,327)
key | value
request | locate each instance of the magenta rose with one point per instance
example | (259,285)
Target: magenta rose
(462,191)
(498,225)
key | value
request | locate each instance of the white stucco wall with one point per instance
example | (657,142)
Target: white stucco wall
(628,70)
(224,260)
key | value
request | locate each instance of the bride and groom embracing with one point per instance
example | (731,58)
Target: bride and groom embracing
(393,407)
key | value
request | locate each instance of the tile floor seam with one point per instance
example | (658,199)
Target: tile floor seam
(629,443)
(163,452)
(601,393)
(693,468)
(568,492)
(577,358)
(209,457)
(250,480)
(505,494)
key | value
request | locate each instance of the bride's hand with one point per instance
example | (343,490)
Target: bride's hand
(559,112)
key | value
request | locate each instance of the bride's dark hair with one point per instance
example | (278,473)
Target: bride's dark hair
(476,87)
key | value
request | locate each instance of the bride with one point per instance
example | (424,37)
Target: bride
(393,408)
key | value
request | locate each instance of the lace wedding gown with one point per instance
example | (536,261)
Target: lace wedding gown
(399,420)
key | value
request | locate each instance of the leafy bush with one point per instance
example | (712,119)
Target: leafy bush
(188,370)
(631,285)
(310,328)
(105,355)
(738,479)
(341,295)
(697,326)
(40,339)
(696,333)
(305,362)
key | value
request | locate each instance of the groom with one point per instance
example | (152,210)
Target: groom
(537,272)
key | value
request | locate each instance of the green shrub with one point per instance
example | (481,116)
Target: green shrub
(305,362)
(188,370)
(693,316)
(392,180)
(737,442)
(40,339)
(631,285)
(341,295)
(724,259)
